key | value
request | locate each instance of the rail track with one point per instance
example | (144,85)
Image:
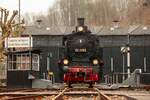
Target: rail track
(21,90)
(76,93)
(81,94)
(64,94)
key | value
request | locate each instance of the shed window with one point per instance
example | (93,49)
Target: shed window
(35,62)
(22,62)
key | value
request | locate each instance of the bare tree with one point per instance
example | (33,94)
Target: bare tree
(98,12)
(8,26)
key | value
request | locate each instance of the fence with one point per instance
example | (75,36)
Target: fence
(115,78)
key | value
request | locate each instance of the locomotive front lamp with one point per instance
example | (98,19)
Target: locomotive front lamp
(66,61)
(95,61)
(80,28)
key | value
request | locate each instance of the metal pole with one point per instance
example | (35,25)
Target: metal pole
(30,54)
(48,63)
(128,55)
(144,64)
(123,59)
(112,63)
(50,56)
(128,62)
(19,10)
(19,5)
(112,69)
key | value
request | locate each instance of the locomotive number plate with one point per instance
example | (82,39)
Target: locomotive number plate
(80,50)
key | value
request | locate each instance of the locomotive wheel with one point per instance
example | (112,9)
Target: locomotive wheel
(91,85)
(69,85)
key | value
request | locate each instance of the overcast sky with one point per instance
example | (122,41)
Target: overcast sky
(27,5)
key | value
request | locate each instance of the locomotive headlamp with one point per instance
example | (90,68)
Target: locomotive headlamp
(80,28)
(66,61)
(95,61)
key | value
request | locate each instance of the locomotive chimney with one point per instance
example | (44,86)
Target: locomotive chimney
(80,21)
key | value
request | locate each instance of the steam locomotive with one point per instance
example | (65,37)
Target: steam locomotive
(82,62)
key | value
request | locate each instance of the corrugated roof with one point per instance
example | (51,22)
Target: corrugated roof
(101,30)
(141,30)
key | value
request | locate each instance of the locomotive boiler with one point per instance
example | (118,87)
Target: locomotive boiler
(82,62)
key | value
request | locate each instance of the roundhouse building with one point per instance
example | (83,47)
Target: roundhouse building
(124,50)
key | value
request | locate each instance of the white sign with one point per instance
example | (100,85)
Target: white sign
(17,42)
(125,49)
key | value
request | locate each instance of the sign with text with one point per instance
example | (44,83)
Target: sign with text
(18,42)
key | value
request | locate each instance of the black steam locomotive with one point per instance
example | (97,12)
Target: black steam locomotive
(83,60)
